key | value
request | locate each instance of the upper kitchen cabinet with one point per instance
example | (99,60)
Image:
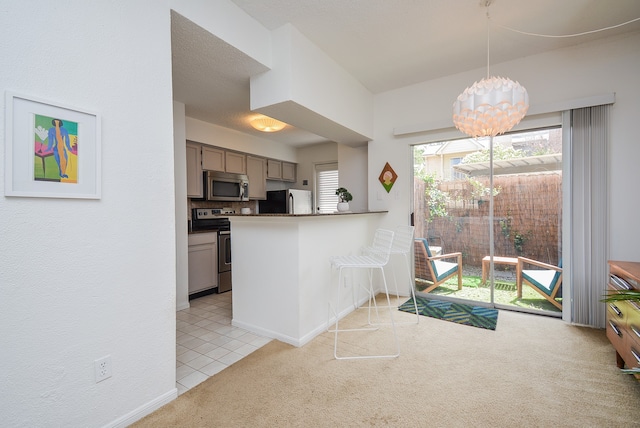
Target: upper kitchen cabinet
(279,170)
(235,163)
(194,171)
(213,159)
(274,169)
(257,174)
(288,171)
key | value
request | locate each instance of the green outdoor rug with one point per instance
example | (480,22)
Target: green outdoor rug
(476,316)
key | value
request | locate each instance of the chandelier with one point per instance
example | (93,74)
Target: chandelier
(491,106)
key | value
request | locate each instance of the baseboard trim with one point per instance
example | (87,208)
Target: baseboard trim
(144,410)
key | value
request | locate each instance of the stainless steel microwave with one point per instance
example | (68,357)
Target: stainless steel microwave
(222,186)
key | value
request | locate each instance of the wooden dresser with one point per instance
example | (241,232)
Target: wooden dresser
(623,318)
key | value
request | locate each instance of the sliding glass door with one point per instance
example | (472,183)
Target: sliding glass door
(453,198)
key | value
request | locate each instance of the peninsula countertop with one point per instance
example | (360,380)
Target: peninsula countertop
(342,213)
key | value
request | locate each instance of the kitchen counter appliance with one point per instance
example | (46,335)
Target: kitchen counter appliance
(208,219)
(223,186)
(290,201)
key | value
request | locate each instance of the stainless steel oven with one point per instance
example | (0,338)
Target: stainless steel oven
(208,219)
(224,261)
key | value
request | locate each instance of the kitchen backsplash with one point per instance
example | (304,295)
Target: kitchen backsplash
(236,206)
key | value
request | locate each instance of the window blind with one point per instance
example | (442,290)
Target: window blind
(589,240)
(326,185)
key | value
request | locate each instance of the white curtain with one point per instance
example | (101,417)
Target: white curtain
(589,141)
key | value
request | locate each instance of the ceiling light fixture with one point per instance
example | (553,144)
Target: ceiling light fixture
(491,106)
(267,124)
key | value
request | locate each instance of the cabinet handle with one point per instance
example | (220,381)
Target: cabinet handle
(636,356)
(635,330)
(615,329)
(615,309)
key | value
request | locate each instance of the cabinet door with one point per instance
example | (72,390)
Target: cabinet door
(288,171)
(274,169)
(194,171)
(235,162)
(203,262)
(257,173)
(212,159)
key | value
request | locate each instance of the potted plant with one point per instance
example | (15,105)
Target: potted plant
(344,196)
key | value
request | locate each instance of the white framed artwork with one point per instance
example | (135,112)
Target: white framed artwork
(51,150)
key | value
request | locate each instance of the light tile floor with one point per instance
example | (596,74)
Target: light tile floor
(207,342)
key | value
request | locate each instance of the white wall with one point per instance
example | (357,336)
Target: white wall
(352,170)
(82,279)
(587,70)
(308,158)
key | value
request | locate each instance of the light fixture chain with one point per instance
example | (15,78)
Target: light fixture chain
(488,44)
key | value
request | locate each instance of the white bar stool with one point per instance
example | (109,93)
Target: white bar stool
(376,257)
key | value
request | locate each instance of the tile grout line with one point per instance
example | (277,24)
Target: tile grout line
(207,343)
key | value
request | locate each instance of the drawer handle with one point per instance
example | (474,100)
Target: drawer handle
(635,330)
(615,329)
(615,309)
(636,356)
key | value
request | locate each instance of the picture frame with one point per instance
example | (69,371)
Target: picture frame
(51,150)
(387,177)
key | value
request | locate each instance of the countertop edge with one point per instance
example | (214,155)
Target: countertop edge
(336,214)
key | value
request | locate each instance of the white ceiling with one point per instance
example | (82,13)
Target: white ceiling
(385,44)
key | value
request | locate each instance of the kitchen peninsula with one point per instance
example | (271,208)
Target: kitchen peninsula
(281,272)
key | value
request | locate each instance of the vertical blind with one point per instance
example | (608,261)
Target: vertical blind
(326,185)
(589,205)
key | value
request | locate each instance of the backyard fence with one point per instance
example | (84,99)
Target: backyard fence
(527,217)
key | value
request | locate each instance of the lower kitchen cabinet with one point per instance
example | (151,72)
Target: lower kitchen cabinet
(203,261)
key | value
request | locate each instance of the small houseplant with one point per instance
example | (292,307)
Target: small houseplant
(344,196)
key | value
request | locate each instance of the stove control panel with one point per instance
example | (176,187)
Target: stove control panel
(205,213)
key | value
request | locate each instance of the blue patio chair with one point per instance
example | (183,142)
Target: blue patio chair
(546,279)
(434,268)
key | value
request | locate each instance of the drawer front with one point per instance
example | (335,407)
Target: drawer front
(633,338)
(616,333)
(634,356)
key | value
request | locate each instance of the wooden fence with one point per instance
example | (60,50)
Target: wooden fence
(527,218)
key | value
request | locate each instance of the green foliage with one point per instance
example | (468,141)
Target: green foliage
(519,239)
(343,194)
(505,225)
(437,200)
(622,295)
(478,191)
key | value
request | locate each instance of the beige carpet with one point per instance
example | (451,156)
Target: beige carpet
(532,371)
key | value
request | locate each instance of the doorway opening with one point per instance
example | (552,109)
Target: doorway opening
(452,197)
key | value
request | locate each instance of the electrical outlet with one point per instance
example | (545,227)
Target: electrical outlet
(103,368)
